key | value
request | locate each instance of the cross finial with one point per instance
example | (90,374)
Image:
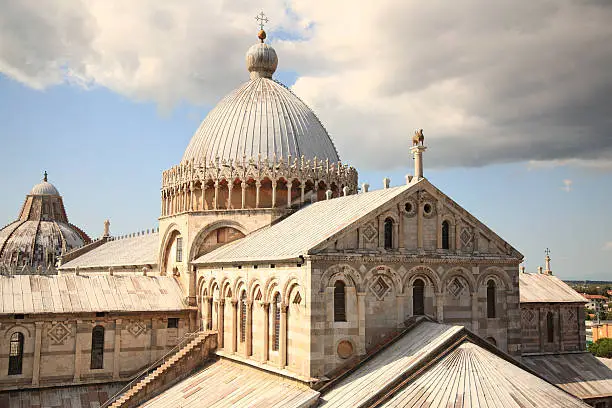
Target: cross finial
(261,20)
(45,176)
(547,251)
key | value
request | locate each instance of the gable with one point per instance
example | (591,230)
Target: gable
(464,234)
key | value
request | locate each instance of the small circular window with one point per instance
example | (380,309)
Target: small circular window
(408,207)
(427,208)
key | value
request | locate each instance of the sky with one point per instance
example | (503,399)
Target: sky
(515,101)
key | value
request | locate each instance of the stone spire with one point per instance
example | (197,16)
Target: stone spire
(261,59)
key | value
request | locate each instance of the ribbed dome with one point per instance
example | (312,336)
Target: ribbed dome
(40,234)
(44,188)
(261,118)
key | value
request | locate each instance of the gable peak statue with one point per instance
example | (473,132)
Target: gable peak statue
(418,137)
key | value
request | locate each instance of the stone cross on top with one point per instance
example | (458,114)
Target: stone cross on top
(261,20)
(547,251)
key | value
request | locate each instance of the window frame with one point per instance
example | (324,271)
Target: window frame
(445,235)
(420,298)
(339,301)
(276,316)
(243,316)
(15,366)
(388,227)
(179,249)
(174,324)
(98,334)
(550,327)
(491,299)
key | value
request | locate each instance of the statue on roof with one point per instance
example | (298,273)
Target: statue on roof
(418,137)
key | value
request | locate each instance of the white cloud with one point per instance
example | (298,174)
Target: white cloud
(489,83)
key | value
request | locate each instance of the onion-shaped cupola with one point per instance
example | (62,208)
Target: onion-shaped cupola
(41,234)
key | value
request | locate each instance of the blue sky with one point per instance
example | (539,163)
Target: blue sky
(106,153)
(515,100)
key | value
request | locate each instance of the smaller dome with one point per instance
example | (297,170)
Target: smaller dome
(44,188)
(261,61)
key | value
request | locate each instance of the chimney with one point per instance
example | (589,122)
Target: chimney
(365,187)
(547,262)
(386,182)
(540,270)
(106,228)
(522,269)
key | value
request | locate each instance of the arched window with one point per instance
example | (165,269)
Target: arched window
(16,354)
(418,297)
(277,317)
(339,302)
(445,235)
(243,313)
(550,327)
(491,299)
(97,347)
(388,233)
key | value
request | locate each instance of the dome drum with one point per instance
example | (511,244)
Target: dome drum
(261,184)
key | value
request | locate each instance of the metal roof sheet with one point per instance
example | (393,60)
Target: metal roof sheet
(470,376)
(140,250)
(79,396)
(303,230)
(580,374)
(540,288)
(69,293)
(226,383)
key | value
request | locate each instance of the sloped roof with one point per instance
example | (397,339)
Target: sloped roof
(580,374)
(140,250)
(303,230)
(79,396)
(536,288)
(376,374)
(226,383)
(70,293)
(470,376)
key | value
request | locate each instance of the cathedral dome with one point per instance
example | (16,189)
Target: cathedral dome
(41,234)
(262,118)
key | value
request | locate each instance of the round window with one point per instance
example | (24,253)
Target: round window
(408,207)
(427,208)
(345,349)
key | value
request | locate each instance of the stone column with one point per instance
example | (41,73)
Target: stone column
(209,305)
(274,183)
(542,328)
(230,187)
(220,322)
(37,346)
(203,188)
(361,349)
(401,227)
(234,325)
(381,231)
(561,337)
(215,201)
(183,197)
(440,306)
(289,188)
(439,226)
(399,306)
(162,204)
(475,316)
(302,188)
(77,350)
(476,236)
(257,188)
(417,152)
(420,226)
(243,185)
(283,335)
(191,197)
(266,331)
(117,351)
(457,236)
(248,349)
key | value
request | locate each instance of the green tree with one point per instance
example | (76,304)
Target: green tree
(602,348)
